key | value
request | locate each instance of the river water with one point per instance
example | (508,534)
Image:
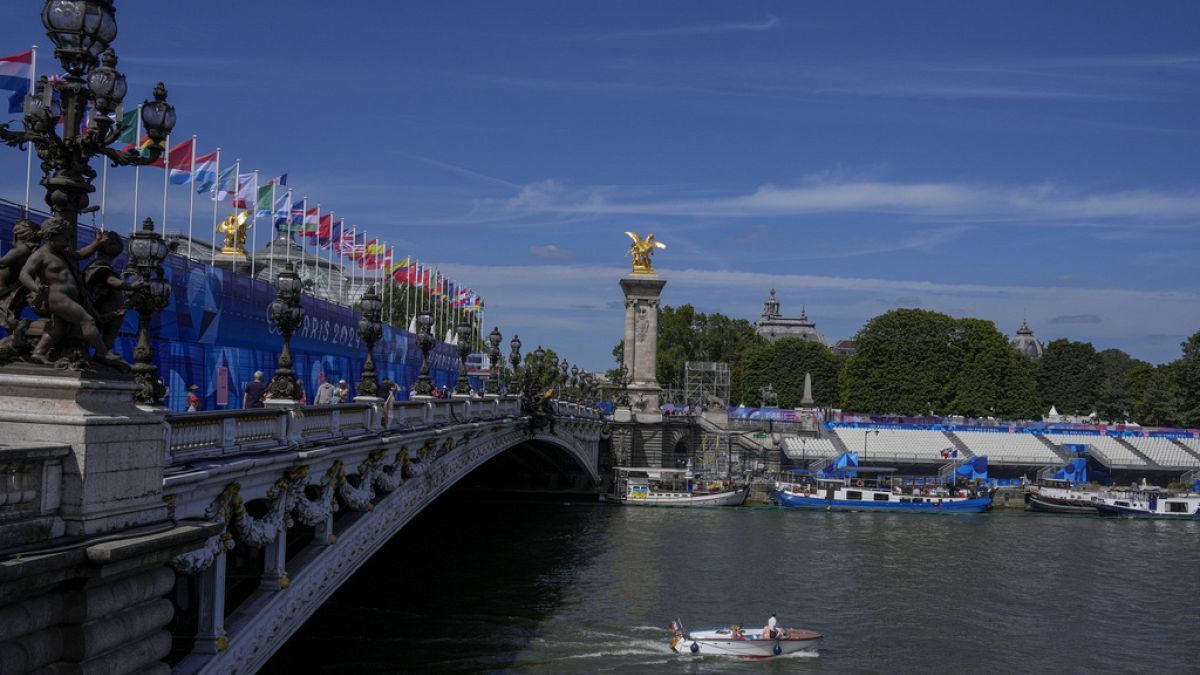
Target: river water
(573,587)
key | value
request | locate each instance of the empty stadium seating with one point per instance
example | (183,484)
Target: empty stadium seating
(1109,447)
(808,448)
(1164,452)
(894,445)
(1006,448)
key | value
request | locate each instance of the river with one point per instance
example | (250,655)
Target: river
(581,587)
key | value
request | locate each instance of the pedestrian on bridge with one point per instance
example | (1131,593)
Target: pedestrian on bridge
(253,396)
(324,393)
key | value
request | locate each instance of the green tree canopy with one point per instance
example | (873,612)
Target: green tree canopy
(783,365)
(904,364)
(1070,375)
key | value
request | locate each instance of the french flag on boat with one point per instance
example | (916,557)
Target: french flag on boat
(16,75)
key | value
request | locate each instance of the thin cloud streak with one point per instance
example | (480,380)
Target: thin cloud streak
(769,23)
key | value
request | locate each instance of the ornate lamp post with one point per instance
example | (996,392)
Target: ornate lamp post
(493,384)
(539,358)
(150,294)
(574,382)
(370,329)
(514,358)
(425,343)
(82,31)
(564,369)
(463,386)
(286,315)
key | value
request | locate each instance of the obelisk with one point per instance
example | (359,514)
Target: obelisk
(642,287)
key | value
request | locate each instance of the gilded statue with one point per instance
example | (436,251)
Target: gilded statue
(640,251)
(234,228)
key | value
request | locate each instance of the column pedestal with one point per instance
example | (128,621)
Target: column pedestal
(641,342)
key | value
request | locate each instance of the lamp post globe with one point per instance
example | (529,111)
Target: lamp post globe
(158,116)
(514,358)
(80,29)
(424,386)
(149,295)
(463,386)
(370,329)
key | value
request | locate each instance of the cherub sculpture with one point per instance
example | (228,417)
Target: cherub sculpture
(640,251)
(107,286)
(12,294)
(52,278)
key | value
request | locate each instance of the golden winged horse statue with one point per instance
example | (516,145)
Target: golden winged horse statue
(641,250)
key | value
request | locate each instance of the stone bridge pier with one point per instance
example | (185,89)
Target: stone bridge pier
(137,541)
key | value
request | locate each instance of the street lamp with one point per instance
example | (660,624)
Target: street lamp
(424,385)
(149,294)
(463,386)
(514,358)
(370,329)
(539,361)
(574,382)
(287,316)
(865,434)
(82,32)
(493,383)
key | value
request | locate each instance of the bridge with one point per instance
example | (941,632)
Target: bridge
(261,515)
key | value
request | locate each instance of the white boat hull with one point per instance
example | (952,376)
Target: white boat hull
(730,498)
(720,643)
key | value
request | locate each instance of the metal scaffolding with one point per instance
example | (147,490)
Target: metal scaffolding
(706,383)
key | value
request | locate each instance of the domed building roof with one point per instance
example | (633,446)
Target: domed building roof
(773,325)
(1025,343)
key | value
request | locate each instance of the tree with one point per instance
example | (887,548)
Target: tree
(1070,376)
(903,365)
(1161,402)
(982,359)
(783,366)
(1114,400)
(1188,379)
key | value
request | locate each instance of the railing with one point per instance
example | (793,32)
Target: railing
(30,493)
(218,433)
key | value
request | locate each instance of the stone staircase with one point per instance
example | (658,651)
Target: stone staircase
(1138,453)
(1062,454)
(1185,448)
(957,442)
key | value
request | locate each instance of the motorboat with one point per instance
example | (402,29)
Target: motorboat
(1147,504)
(1053,495)
(651,486)
(876,494)
(748,643)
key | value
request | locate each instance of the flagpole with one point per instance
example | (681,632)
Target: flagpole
(191,193)
(329,280)
(166,177)
(271,243)
(304,241)
(212,261)
(254,225)
(103,194)
(137,168)
(29,147)
(237,188)
(287,250)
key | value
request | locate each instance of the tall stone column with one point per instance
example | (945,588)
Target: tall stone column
(641,341)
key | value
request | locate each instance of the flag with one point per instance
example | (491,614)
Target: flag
(144,146)
(281,210)
(398,266)
(247,191)
(262,201)
(321,234)
(346,243)
(226,183)
(279,180)
(179,159)
(128,126)
(205,175)
(296,223)
(16,75)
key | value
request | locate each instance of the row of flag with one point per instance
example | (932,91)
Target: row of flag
(272,199)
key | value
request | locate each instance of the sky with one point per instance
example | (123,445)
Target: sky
(994,160)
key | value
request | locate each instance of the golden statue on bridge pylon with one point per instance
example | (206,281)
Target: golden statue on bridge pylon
(640,251)
(234,228)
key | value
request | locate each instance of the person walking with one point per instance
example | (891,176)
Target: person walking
(303,400)
(324,393)
(342,393)
(253,396)
(389,401)
(194,402)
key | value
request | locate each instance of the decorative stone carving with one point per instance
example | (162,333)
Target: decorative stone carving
(221,511)
(313,512)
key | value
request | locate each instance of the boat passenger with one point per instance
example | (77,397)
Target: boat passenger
(772,629)
(737,632)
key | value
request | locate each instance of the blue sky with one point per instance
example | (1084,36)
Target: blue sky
(997,160)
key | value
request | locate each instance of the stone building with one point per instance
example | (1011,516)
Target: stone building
(1025,343)
(773,325)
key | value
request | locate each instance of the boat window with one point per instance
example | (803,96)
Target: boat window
(881,496)
(918,499)
(906,500)
(1177,507)
(1122,503)
(853,494)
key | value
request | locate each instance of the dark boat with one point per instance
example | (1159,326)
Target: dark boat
(1053,495)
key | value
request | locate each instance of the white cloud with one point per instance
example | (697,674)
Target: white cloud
(550,252)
